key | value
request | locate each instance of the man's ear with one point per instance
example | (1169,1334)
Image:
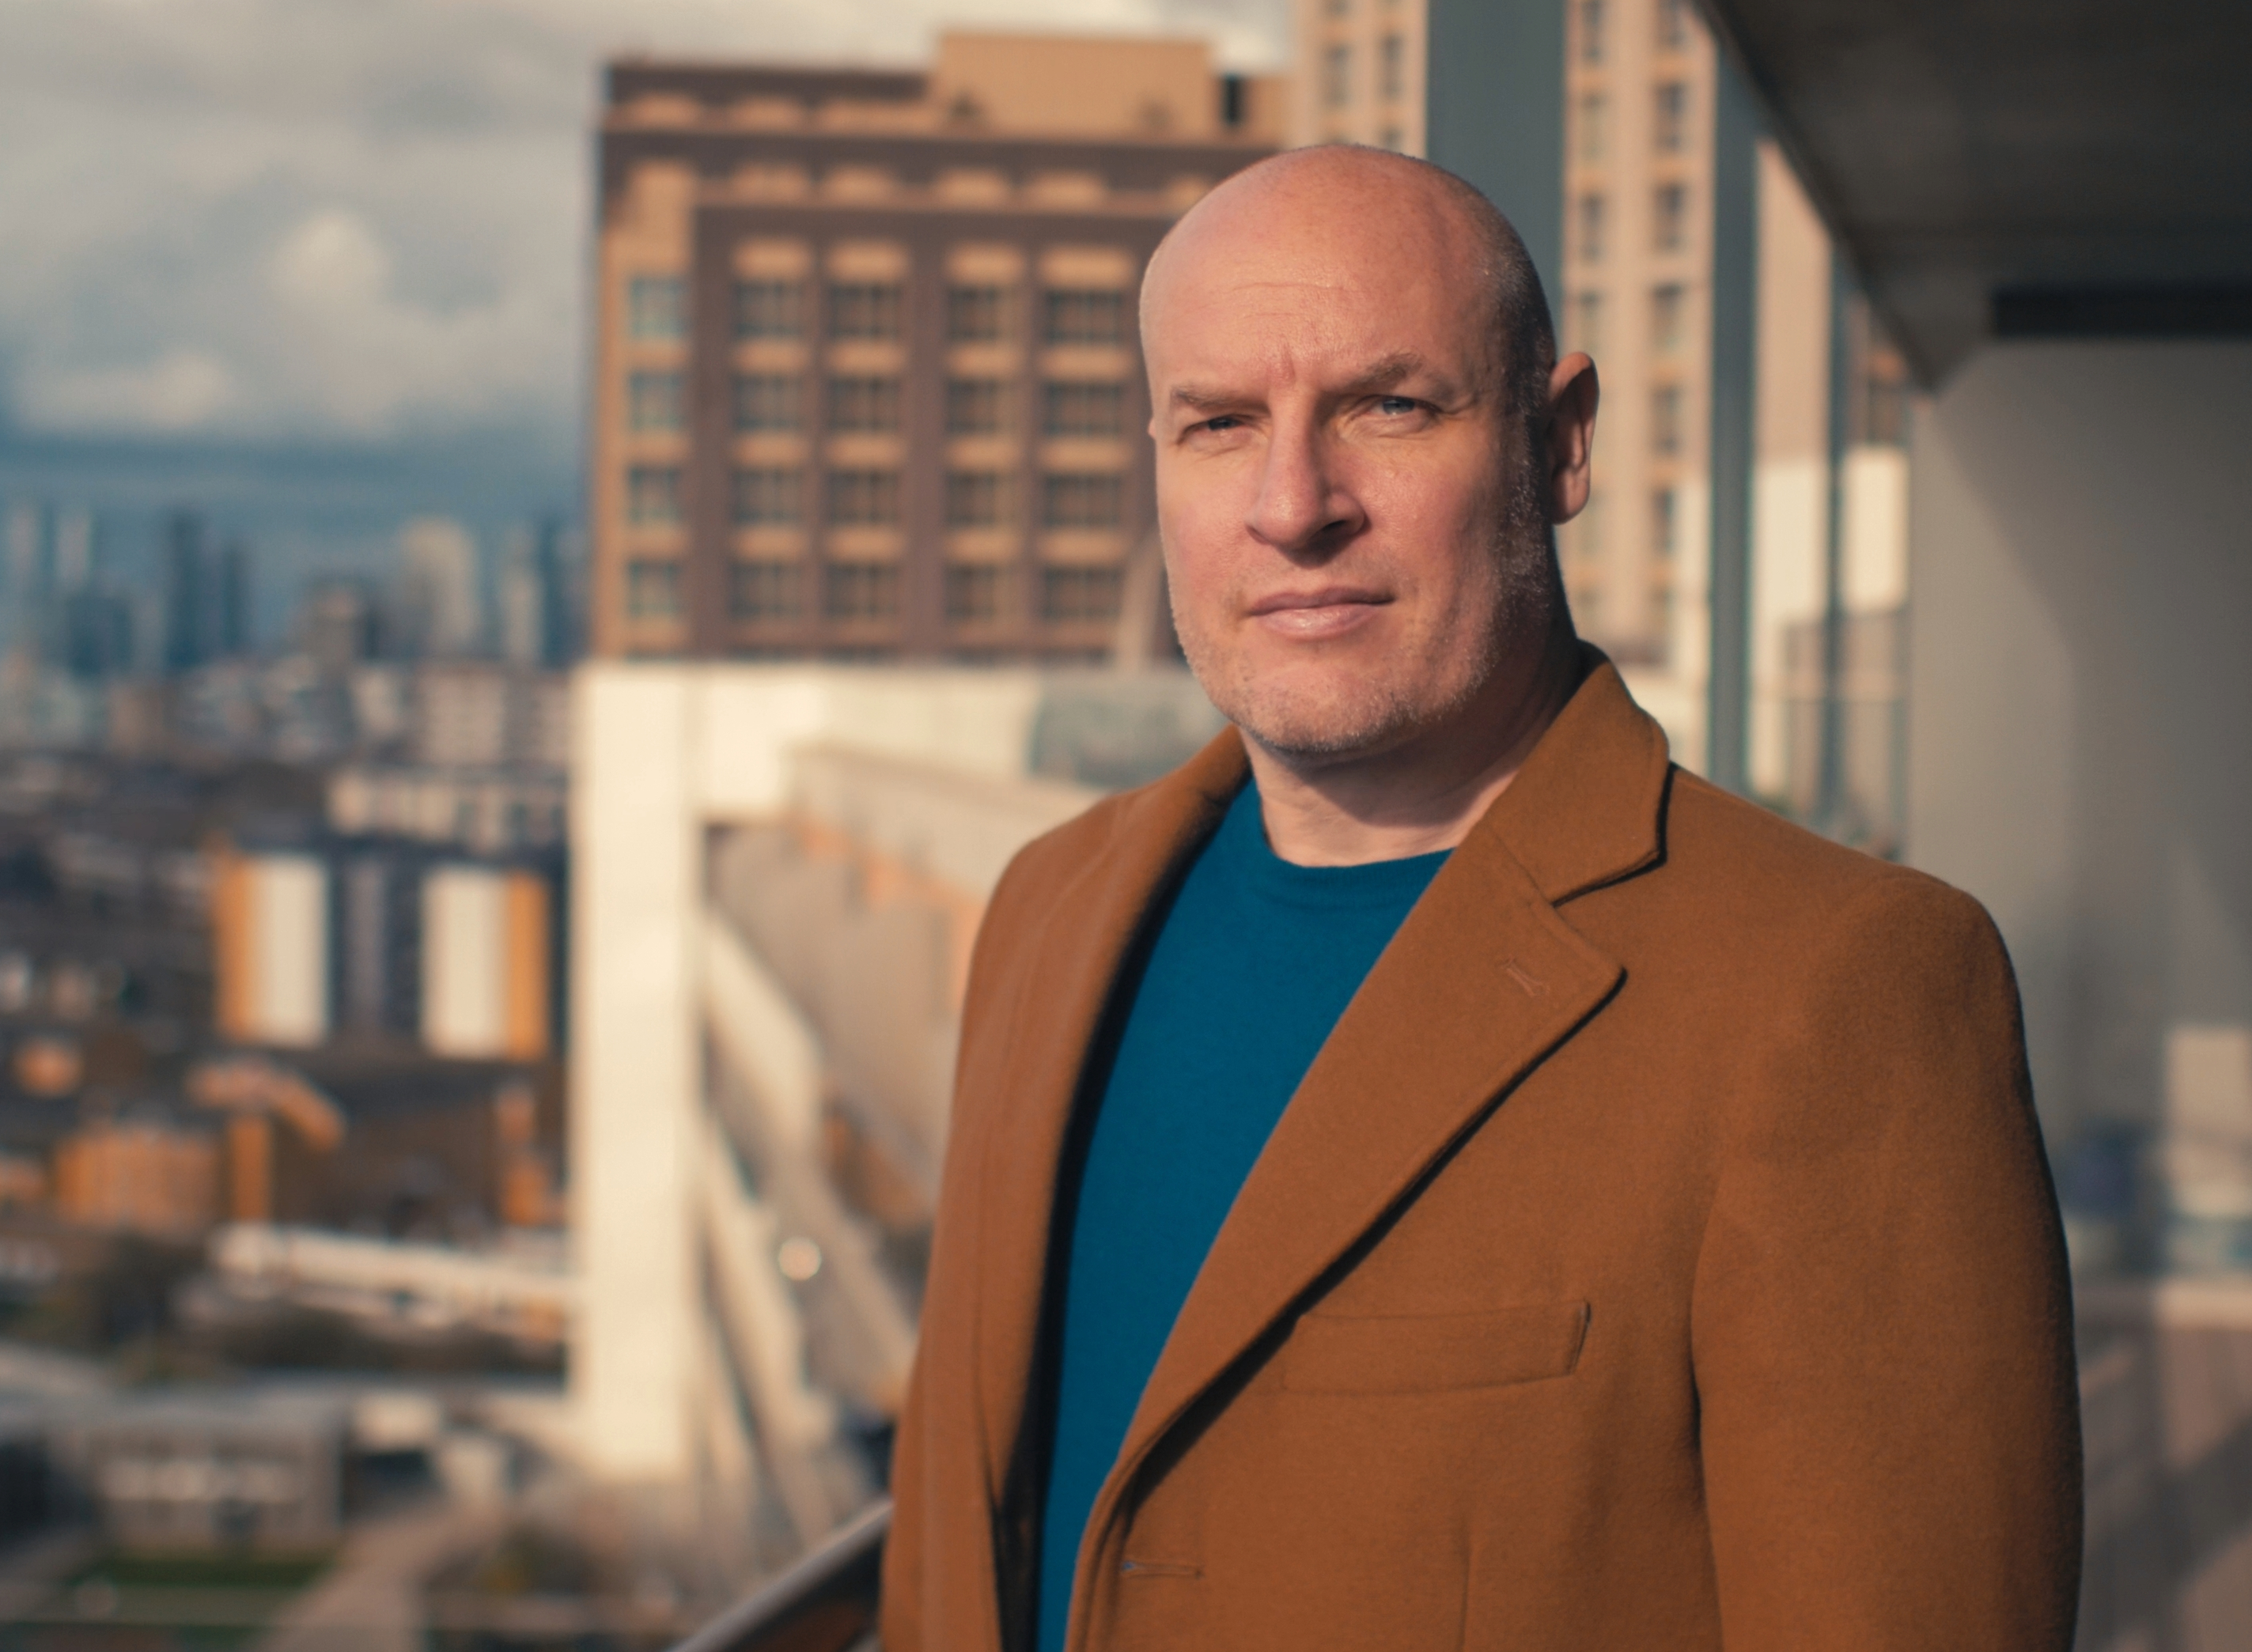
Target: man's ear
(1570,449)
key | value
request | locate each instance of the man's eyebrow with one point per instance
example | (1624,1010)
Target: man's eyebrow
(1381,374)
(1387,370)
(1199,399)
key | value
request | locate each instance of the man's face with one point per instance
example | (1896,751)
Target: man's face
(1335,467)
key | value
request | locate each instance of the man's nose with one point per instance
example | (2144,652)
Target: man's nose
(1303,507)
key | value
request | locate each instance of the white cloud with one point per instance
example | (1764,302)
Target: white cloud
(364,217)
(180,391)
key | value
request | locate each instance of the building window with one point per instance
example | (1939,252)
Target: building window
(1670,125)
(653,401)
(764,401)
(1671,214)
(1586,329)
(1086,317)
(863,404)
(1666,307)
(1068,595)
(975,593)
(1338,7)
(1672,26)
(1591,30)
(653,495)
(977,499)
(1665,419)
(862,310)
(1594,122)
(864,498)
(862,590)
(1080,501)
(1591,229)
(656,309)
(1392,138)
(769,498)
(976,407)
(1337,76)
(1085,410)
(769,309)
(653,589)
(1665,526)
(1392,65)
(766,590)
(977,315)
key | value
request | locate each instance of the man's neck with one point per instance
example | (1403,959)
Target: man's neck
(1424,794)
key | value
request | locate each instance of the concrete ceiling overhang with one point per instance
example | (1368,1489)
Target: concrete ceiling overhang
(2079,166)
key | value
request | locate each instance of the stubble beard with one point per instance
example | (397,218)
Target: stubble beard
(1437,676)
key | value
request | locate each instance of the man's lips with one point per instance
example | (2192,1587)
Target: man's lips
(1326,611)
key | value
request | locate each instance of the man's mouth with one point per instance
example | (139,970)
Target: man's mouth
(1322,612)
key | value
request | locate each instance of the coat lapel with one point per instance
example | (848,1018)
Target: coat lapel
(1063,993)
(1482,980)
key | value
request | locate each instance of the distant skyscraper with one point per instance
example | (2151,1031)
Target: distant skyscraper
(187,632)
(75,551)
(444,609)
(234,622)
(336,625)
(534,617)
(27,581)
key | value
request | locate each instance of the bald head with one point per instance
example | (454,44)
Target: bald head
(1435,224)
(1362,444)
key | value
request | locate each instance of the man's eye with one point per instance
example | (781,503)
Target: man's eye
(1225,422)
(1396,406)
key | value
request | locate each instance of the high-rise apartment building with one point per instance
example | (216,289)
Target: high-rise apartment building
(1361,73)
(1638,89)
(1636,292)
(868,385)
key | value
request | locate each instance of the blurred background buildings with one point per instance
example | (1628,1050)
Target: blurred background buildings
(867,371)
(470,1114)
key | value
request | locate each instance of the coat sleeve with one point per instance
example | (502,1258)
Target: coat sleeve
(1881,1326)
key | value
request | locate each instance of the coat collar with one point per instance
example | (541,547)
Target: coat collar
(1484,956)
(1588,807)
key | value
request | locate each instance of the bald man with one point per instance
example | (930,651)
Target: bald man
(1430,1173)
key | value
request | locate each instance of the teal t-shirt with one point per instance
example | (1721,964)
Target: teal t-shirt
(1252,964)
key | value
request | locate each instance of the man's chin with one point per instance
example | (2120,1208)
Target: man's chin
(1315,728)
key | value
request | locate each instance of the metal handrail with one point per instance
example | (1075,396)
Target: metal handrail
(826,1602)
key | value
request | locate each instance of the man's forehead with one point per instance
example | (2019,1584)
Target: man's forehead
(1370,327)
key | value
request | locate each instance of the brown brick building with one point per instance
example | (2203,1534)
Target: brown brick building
(868,381)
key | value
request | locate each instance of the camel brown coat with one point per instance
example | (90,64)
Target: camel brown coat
(1660,1253)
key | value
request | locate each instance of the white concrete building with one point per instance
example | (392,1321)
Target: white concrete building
(776,871)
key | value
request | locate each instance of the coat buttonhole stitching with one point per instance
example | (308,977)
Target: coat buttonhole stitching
(1535,987)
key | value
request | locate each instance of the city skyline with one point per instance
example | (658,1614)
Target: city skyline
(311,273)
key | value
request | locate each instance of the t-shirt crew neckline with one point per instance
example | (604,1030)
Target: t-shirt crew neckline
(1368,883)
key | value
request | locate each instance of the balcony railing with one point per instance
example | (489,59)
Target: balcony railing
(824,1603)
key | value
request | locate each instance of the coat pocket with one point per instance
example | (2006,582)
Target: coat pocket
(1427,1353)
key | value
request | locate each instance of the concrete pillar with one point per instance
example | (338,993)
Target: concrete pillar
(1495,114)
(635,1069)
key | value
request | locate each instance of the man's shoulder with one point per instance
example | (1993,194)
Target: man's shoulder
(1753,873)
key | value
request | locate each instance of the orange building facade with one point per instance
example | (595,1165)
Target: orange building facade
(868,385)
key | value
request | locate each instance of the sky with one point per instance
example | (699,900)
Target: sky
(314,266)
